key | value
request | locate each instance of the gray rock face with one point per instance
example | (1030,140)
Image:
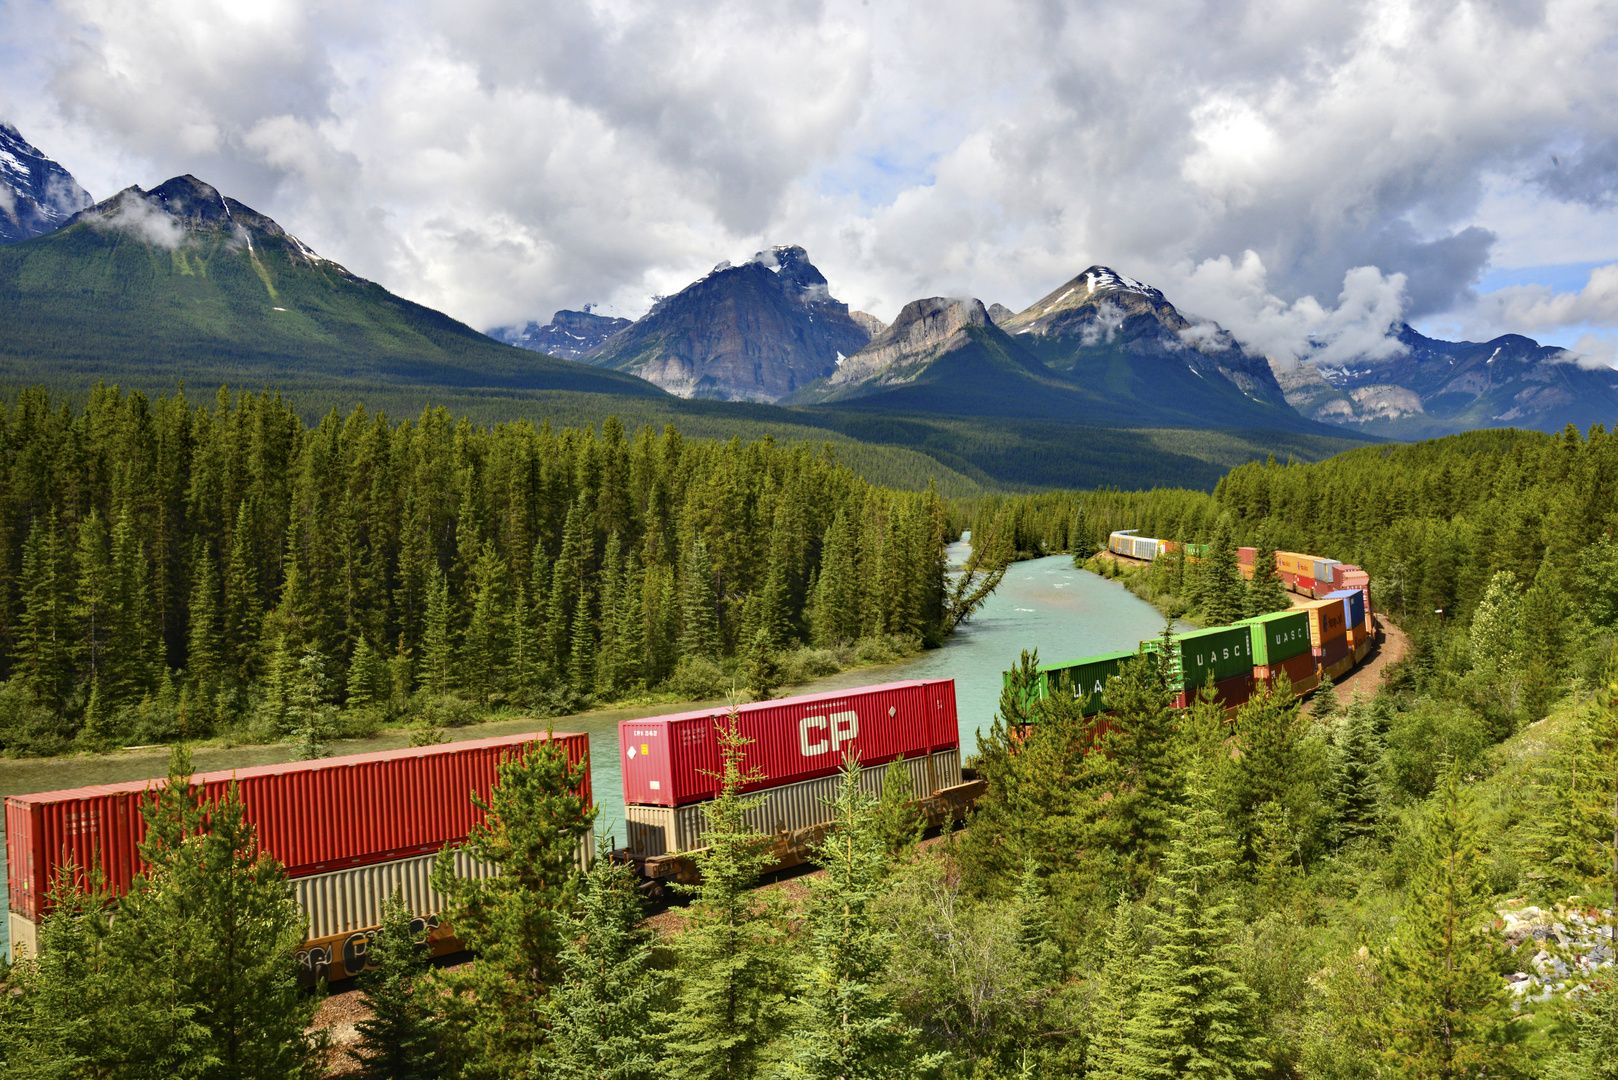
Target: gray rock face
(916,337)
(569,334)
(37,195)
(1433,387)
(755,332)
(999,313)
(1102,313)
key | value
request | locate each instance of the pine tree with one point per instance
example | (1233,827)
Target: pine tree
(836,598)
(1593,1054)
(1117,990)
(734,964)
(699,634)
(484,643)
(847,1027)
(93,567)
(1266,592)
(1139,741)
(601,1013)
(1323,707)
(1278,763)
(581,654)
(438,671)
(1194,1016)
(403,1039)
(1447,1012)
(899,824)
(1574,840)
(566,583)
(367,679)
(45,639)
(310,715)
(243,607)
(1541,640)
(1359,756)
(135,644)
(204,664)
(530,830)
(763,670)
(631,635)
(1222,590)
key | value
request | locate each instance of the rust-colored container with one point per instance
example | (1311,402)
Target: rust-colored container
(674,760)
(1333,651)
(1245,556)
(1297,668)
(312,816)
(1288,578)
(1327,621)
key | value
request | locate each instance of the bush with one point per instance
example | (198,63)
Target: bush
(1420,738)
(559,699)
(28,728)
(698,677)
(447,710)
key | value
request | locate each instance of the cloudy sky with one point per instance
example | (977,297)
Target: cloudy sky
(1300,170)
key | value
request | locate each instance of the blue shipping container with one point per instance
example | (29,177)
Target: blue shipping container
(1353,604)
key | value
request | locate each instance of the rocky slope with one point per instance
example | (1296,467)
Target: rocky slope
(570,334)
(1436,387)
(183,282)
(36,194)
(1100,317)
(754,332)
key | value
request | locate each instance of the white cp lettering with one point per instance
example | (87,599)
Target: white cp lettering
(841,727)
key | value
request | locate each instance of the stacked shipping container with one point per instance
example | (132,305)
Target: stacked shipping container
(671,764)
(339,825)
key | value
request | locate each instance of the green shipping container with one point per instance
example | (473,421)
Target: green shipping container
(1222,652)
(1278,637)
(1087,675)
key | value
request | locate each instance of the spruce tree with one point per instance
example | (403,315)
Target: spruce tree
(1542,641)
(531,830)
(1194,1016)
(1323,705)
(735,967)
(836,598)
(699,634)
(601,1012)
(1223,593)
(93,567)
(243,608)
(899,823)
(1140,744)
(437,673)
(484,642)
(1279,762)
(45,639)
(1593,1051)
(1357,779)
(403,1039)
(1446,1011)
(763,669)
(310,714)
(204,663)
(1117,989)
(1266,592)
(367,687)
(847,1027)
(1574,839)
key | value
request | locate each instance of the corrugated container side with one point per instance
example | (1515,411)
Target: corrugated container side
(312,816)
(1246,556)
(1297,668)
(1223,652)
(1233,692)
(1327,621)
(673,760)
(1146,549)
(1288,578)
(666,830)
(1332,651)
(1088,677)
(1321,570)
(1304,584)
(1353,605)
(1278,637)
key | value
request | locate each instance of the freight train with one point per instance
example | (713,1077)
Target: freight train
(351,831)
(1326,635)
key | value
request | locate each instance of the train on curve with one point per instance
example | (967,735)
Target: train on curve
(1327,634)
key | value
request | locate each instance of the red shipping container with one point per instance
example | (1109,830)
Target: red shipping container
(1305,585)
(1288,578)
(1246,556)
(1233,692)
(1297,669)
(312,816)
(1332,651)
(674,760)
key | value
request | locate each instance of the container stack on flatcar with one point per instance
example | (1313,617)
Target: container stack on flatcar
(795,748)
(1325,635)
(349,830)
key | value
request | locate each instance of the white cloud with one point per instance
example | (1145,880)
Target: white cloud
(501,160)
(1536,309)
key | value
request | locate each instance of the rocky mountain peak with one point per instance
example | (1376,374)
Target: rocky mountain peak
(754,332)
(569,334)
(37,195)
(186,208)
(922,329)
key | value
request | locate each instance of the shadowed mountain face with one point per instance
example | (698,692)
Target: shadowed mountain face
(570,334)
(36,194)
(1437,387)
(181,281)
(1101,350)
(754,332)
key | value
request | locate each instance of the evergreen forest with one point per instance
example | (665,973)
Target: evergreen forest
(1409,879)
(172,571)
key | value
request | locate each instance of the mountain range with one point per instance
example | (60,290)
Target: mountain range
(36,194)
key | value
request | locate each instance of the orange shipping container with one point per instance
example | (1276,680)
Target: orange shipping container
(1328,621)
